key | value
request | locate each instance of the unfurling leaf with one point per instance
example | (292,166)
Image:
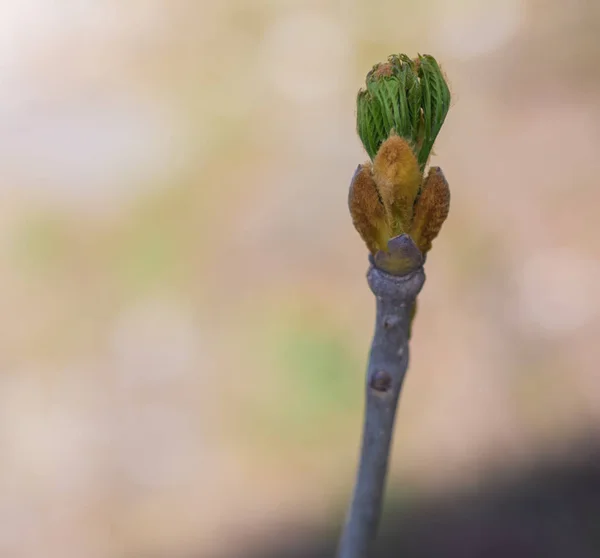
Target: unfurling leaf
(408,96)
(435,103)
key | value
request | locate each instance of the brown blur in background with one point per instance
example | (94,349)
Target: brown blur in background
(185,318)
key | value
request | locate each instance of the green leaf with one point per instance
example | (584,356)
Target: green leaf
(408,96)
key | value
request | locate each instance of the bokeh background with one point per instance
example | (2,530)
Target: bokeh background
(184,316)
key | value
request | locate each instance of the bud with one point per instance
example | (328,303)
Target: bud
(399,116)
(407,96)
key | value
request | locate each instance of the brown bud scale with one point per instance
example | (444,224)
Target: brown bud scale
(367,211)
(431,209)
(398,177)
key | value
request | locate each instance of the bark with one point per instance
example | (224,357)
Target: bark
(387,366)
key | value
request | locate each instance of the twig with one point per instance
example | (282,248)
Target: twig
(398,213)
(388,362)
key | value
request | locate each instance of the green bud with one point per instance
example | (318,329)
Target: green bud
(409,97)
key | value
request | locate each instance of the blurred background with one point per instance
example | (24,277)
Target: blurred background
(185,319)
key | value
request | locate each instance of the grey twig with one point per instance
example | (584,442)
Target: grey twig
(388,362)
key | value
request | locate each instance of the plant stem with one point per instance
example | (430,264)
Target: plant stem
(388,362)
